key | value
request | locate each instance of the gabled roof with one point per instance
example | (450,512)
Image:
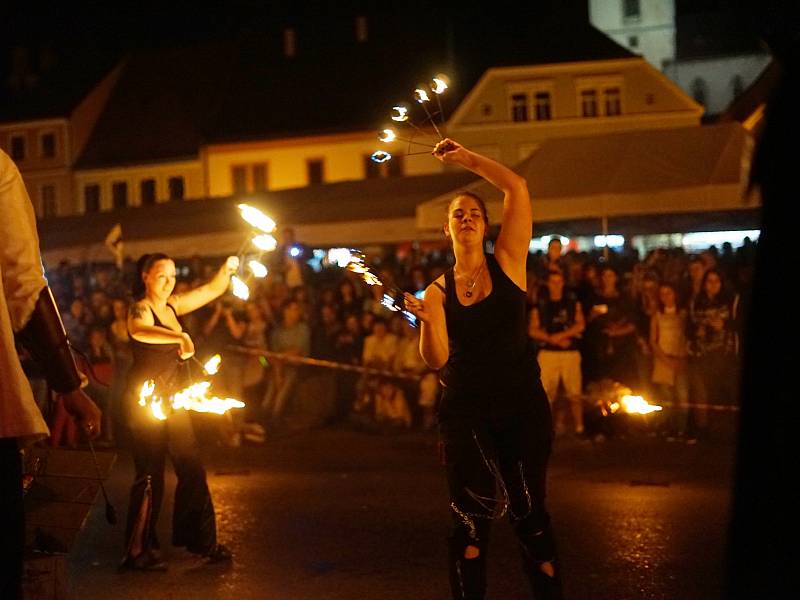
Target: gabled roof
(168,103)
(57,91)
(686,169)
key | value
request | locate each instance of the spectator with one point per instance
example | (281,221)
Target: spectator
(669,345)
(291,337)
(557,322)
(713,348)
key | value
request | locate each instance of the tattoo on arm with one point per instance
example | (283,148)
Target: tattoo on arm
(137,310)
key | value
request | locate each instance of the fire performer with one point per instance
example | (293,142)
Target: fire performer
(28,314)
(159,346)
(494,417)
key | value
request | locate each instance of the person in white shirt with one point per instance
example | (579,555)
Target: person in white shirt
(28,315)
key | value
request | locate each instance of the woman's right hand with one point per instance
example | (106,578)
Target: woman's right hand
(416,307)
(187,346)
(451,152)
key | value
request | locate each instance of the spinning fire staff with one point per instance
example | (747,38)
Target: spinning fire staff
(160,349)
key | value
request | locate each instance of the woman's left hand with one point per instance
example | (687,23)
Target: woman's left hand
(232,265)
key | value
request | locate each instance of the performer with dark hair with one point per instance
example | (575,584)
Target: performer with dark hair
(494,417)
(159,345)
(28,314)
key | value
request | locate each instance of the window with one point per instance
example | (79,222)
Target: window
(147,189)
(91,198)
(119,194)
(259,178)
(362,29)
(18,147)
(700,91)
(519,107)
(176,189)
(633,41)
(542,106)
(239,179)
(613,102)
(48,145)
(486,110)
(49,204)
(589,103)
(316,171)
(372,170)
(631,10)
(289,42)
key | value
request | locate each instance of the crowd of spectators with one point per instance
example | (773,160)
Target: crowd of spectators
(667,325)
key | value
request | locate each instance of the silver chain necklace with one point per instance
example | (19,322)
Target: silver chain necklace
(472,282)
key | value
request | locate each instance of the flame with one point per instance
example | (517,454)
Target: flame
(240,289)
(390,303)
(148,387)
(402,114)
(439,84)
(379,156)
(258,269)
(212,365)
(194,397)
(421,95)
(635,405)
(265,242)
(387,136)
(340,256)
(257,219)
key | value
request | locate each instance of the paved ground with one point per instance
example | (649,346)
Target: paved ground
(338,514)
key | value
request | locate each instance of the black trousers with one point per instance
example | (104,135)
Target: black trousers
(12,520)
(497,466)
(193,521)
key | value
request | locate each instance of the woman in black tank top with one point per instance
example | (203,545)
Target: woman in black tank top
(159,347)
(494,416)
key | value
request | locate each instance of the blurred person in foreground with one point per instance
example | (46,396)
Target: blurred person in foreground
(28,315)
(494,416)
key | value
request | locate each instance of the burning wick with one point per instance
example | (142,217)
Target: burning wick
(265,242)
(402,114)
(439,85)
(258,269)
(380,156)
(240,289)
(212,365)
(257,219)
(388,136)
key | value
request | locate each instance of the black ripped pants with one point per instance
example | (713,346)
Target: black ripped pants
(497,466)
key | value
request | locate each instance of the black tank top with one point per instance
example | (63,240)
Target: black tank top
(490,352)
(159,362)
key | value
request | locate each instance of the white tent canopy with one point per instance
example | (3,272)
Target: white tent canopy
(681,170)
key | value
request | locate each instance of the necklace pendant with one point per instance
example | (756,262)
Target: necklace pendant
(468,294)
